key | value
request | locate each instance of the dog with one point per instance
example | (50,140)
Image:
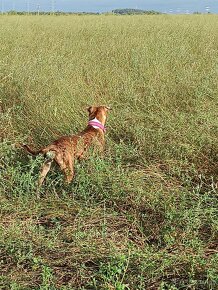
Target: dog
(66,149)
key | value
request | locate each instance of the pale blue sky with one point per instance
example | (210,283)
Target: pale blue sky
(174,6)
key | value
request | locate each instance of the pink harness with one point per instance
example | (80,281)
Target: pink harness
(97,124)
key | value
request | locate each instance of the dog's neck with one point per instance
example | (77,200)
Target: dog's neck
(95,123)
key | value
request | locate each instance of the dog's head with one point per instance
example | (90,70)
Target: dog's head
(99,113)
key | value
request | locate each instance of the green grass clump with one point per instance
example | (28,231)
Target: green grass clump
(145,216)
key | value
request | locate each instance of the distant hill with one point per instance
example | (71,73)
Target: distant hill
(133,11)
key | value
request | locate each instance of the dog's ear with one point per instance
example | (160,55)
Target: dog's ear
(108,108)
(90,109)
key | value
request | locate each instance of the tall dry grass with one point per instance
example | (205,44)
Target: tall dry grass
(145,216)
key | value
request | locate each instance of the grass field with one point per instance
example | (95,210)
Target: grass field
(144,217)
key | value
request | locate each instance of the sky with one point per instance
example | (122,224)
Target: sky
(171,6)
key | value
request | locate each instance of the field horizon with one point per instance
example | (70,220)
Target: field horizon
(144,216)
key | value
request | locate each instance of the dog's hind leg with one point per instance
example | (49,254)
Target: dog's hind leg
(44,171)
(66,164)
(69,171)
(50,155)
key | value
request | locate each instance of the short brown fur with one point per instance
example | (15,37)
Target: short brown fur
(68,148)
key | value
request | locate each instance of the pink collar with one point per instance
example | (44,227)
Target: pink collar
(97,124)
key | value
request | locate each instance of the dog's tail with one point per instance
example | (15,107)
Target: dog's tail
(30,150)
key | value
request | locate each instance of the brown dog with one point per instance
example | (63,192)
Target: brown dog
(68,148)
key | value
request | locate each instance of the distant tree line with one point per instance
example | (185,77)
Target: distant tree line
(116,11)
(126,11)
(13,12)
(134,11)
(113,12)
